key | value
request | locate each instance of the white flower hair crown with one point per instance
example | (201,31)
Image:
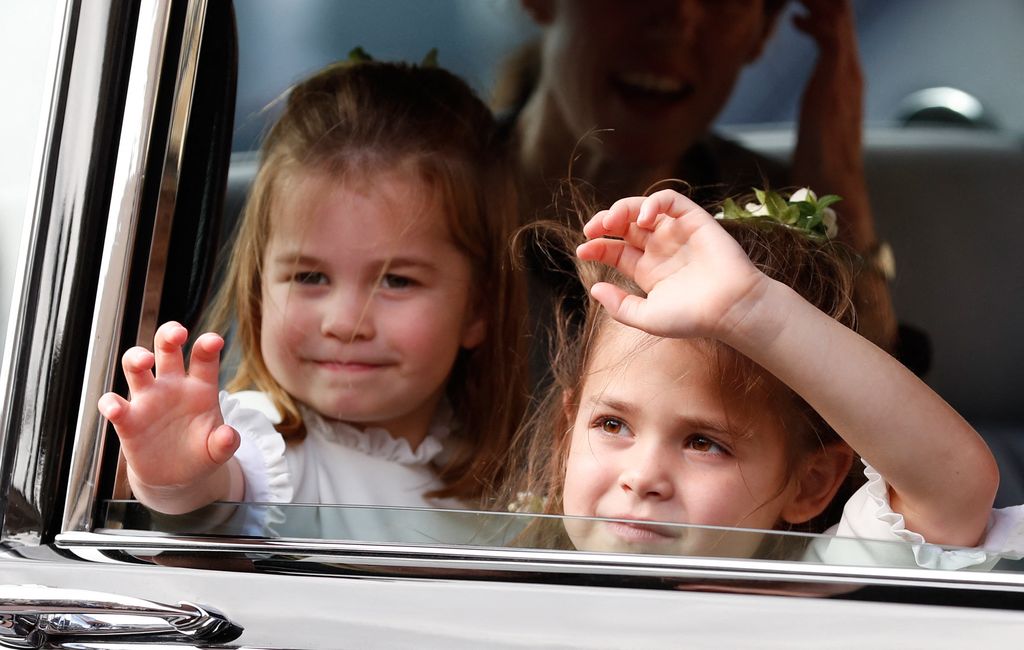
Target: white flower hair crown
(803,211)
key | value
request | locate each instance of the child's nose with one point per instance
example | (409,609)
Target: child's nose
(349,316)
(647,475)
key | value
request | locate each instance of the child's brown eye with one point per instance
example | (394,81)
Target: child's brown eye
(611,426)
(705,445)
(392,281)
(309,277)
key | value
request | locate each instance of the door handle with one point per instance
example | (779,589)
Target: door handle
(34,616)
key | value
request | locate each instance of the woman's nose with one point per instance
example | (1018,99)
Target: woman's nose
(675,21)
(349,315)
(646,475)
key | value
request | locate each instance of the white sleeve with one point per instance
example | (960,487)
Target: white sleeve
(261,453)
(1005,534)
(869,516)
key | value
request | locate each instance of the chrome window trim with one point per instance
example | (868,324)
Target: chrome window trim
(42,160)
(133,153)
(488,560)
(181,111)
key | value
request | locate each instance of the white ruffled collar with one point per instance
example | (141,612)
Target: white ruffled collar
(378,442)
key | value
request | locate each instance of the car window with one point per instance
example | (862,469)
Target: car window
(281,43)
(27,31)
(468,529)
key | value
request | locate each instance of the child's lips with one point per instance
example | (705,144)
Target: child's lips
(349,365)
(642,530)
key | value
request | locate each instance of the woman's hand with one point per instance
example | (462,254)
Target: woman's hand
(171,430)
(698,280)
(829,155)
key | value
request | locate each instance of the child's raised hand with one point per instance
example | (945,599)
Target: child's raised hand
(698,280)
(172,432)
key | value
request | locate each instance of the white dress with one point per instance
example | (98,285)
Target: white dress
(357,484)
(869,533)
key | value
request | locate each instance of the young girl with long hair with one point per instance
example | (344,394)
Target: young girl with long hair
(377,319)
(720,382)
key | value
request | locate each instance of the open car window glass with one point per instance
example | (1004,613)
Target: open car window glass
(480,529)
(280,44)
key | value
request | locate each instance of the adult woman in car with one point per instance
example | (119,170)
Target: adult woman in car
(622,95)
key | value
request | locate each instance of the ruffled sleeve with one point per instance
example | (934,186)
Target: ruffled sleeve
(262,450)
(379,443)
(869,516)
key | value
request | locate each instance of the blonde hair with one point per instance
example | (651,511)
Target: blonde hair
(823,272)
(374,116)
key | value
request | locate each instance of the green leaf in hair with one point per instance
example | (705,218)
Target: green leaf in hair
(358,55)
(802,210)
(429,59)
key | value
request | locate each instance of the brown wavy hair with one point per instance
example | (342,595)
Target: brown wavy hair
(362,117)
(822,272)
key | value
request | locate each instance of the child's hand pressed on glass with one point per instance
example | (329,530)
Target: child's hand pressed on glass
(171,429)
(698,280)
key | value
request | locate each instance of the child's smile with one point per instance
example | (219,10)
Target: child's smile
(366,301)
(653,441)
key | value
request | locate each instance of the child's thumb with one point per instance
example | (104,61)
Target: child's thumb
(222,444)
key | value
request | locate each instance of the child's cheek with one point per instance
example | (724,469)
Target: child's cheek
(585,480)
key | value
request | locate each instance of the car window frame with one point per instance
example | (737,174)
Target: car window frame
(79,530)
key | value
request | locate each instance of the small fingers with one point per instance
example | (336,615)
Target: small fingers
(204,363)
(222,444)
(137,364)
(113,407)
(167,349)
(622,306)
(615,220)
(615,253)
(665,202)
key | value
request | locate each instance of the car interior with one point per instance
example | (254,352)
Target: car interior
(938,176)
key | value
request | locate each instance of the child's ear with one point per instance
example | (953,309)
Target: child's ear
(542,11)
(817,482)
(473,332)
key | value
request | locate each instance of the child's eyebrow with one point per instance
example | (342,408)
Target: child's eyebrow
(300,259)
(287,257)
(407,262)
(611,403)
(687,422)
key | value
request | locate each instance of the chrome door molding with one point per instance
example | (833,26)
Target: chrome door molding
(119,245)
(499,563)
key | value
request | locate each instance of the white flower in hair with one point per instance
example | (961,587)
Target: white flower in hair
(803,194)
(828,217)
(757,209)
(802,210)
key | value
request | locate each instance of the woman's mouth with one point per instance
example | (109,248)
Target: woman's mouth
(651,87)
